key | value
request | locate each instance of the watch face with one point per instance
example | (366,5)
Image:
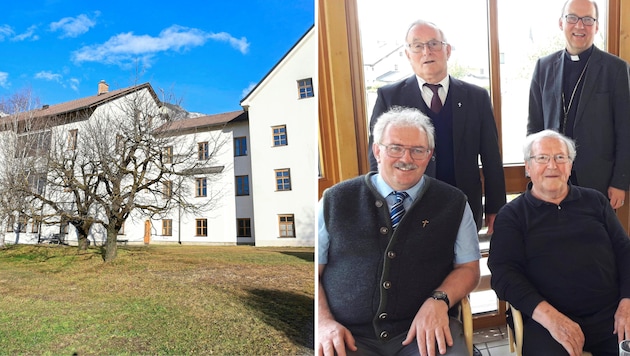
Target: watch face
(439,294)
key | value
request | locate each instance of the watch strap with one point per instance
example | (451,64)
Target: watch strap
(439,295)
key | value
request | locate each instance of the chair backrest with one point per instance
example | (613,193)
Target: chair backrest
(467,323)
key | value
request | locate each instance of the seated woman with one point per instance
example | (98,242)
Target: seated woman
(560,256)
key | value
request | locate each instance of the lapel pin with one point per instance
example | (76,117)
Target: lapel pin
(459,104)
(424,223)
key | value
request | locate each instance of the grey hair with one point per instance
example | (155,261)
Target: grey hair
(426,23)
(535,137)
(404,117)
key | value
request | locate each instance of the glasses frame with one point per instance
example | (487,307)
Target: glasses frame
(587,18)
(431,45)
(419,150)
(545,159)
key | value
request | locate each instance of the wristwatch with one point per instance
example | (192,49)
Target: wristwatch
(439,295)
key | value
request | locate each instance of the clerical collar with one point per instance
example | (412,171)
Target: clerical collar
(578,57)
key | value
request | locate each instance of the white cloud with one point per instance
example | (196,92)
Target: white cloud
(240,44)
(48,75)
(74,84)
(246,91)
(5,32)
(29,34)
(73,26)
(126,48)
(4,79)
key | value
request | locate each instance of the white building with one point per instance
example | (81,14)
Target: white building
(283,118)
(65,134)
(223,182)
(229,222)
(262,182)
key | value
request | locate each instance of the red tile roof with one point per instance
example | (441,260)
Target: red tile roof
(89,102)
(204,121)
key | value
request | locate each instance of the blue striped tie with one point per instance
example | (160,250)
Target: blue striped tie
(398,209)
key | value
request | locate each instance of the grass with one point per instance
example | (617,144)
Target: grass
(156,300)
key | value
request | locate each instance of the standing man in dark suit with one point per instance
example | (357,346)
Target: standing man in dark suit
(584,93)
(462,116)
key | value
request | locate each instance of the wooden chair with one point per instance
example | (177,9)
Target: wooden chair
(467,322)
(515,335)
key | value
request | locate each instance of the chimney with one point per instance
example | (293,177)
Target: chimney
(102,87)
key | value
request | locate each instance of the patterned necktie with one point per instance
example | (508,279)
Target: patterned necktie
(398,209)
(436,103)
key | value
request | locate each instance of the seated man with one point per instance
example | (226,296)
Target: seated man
(396,250)
(560,256)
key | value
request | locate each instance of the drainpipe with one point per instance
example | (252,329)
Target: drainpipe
(179,224)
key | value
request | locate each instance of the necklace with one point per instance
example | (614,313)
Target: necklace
(567,108)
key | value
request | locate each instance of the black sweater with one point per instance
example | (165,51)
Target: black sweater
(575,255)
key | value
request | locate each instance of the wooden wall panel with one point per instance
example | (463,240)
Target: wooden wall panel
(622,8)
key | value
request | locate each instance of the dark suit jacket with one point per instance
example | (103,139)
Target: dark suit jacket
(602,122)
(474,135)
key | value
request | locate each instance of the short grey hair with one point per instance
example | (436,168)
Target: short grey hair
(535,137)
(404,117)
(425,23)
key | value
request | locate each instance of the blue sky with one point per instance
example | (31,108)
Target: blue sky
(207,54)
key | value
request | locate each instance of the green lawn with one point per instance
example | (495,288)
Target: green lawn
(157,300)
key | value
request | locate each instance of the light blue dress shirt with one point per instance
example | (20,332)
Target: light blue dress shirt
(466,244)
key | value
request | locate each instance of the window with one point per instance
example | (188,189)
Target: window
(385,61)
(538,37)
(37,182)
(72,139)
(242,185)
(121,231)
(120,144)
(167,189)
(10,223)
(518,49)
(243,228)
(287,225)
(240,146)
(63,227)
(305,88)
(168,154)
(202,151)
(201,227)
(33,144)
(279,135)
(200,187)
(283,179)
(23,222)
(167,227)
(35,225)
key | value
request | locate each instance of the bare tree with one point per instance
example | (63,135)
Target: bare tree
(24,141)
(121,160)
(128,163)
(29,153)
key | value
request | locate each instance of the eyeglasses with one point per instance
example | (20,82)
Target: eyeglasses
(544,159)
(586,20)
(433,45)
(397,151)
